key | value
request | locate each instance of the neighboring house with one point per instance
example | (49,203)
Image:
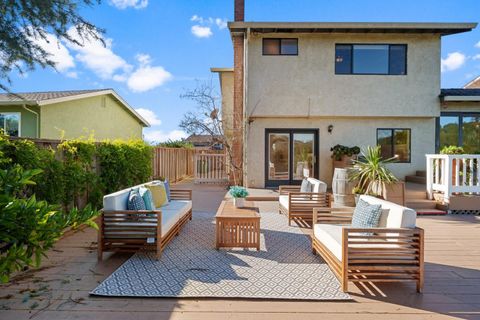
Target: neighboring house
(205,142)
(474,84)
(70,114)
(301,88)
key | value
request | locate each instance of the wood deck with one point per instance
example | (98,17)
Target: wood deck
(59,290)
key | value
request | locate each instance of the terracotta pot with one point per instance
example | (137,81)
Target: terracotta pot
(345,162)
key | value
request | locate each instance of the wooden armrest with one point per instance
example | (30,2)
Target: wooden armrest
(284,190)
(181,194)
(332,215)
(402,231)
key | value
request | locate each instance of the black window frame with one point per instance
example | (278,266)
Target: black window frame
(460,115)
(371,44)
(393,145)
(280,47)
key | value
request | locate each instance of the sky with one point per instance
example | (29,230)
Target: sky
(158,49)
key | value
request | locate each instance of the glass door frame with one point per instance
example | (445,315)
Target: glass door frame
(460,115)
(291,131)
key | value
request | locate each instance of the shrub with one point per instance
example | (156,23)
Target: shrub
(338,151)
(452,150)
(176,144)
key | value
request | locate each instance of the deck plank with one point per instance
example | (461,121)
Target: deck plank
(452,286)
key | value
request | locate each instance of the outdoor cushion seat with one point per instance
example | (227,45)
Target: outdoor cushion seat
(283,200)
(130,230)
(331,237)
(177,207)
(391,251)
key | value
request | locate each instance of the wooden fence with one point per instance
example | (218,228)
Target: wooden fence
(173,164)
(211,168)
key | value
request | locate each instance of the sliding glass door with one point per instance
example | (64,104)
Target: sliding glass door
(289,154)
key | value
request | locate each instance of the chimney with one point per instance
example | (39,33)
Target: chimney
(238,90)
(239,12)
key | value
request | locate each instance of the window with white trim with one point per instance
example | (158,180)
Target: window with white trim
(10,123)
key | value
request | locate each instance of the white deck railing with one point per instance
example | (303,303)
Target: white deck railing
(210,168)
(453,174)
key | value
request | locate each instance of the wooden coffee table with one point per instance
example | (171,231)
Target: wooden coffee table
(237,227)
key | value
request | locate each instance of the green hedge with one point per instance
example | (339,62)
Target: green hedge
(45,191)
(79,171)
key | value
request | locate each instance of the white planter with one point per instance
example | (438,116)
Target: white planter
(239,202)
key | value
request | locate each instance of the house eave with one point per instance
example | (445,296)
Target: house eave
(442,29)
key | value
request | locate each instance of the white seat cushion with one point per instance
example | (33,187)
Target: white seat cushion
(393,215)
(172,212)
(330,236)
(283,200)
(317,185)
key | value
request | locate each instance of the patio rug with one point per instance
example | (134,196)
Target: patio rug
(284,268)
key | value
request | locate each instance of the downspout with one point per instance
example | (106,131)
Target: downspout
(245,124)
(37,117)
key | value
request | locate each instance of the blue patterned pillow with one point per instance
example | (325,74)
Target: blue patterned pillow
(166,184)
(366,215)
(146,194)
(135,201)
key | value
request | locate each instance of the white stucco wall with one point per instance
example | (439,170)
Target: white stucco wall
(346,131)
(307,85)
(304,92)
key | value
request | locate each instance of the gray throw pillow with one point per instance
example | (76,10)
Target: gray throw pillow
(306,186)
(366,215)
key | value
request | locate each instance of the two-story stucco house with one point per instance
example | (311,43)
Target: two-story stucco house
(70,114)
(297,89)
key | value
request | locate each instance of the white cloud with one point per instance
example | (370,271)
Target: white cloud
(476,57)
(123,4)
(150,116)
(201,32)
(454,61)
(98,58)
(221,23)
(203,26)
(155,136)
(59,54)
(147,77)
(477,45)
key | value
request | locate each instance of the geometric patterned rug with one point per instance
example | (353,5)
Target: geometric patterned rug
(284,268)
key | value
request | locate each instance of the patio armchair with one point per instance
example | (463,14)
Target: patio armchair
(392,252)
(122,230)
(298,205)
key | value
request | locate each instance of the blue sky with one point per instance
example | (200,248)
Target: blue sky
(158,48)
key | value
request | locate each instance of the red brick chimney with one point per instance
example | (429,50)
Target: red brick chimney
(239,11)
(238,72)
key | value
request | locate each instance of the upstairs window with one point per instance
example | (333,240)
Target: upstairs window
(10,123)
(280,47)
(382,59)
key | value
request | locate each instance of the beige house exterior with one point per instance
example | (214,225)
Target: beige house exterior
(304,91)
(74,114)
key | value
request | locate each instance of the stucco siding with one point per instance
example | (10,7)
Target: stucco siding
(307,84)
(102,115)
(28,120)
(461,106)
(346,131)
(226,82)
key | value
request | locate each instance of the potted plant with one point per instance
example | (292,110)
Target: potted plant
(239,194)
(343,156)
(371,172)
(357,192)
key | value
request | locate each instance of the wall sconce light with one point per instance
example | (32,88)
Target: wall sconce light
(330,128)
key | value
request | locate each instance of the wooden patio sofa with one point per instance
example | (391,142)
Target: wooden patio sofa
(122,230)
(299,205)
(392,252)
